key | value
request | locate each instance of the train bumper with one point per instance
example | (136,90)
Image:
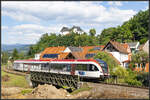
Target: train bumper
(103,77)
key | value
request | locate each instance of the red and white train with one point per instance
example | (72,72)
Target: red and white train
(91,69)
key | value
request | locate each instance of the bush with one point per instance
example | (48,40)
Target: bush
(133,82)
(26,91)
(132,74)
(144,78)
(107,58)
(120,72)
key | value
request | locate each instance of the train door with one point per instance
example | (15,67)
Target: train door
(72,69)
(29,66)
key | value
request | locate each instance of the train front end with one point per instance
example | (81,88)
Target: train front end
(105,69)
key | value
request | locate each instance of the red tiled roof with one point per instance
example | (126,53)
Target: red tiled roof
(141,47)
(126,61)
(79,55)
(63,55)
(126,46)
(52,50)
(118,46)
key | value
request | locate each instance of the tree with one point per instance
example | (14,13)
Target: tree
(21,55)
(140,58)
(5,57)
(107,35)
(108,59)
(135,29)
(92,32)
(15,54)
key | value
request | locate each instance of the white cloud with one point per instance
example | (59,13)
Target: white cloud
(115,3)
(110,2)
(115,16)
(29,33)
(147,7)
(4,27)
(58,14)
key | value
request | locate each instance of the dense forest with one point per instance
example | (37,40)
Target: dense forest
(136,29)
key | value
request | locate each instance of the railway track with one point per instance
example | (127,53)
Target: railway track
(15,72)
(116,84)
(124,85)
(96,82)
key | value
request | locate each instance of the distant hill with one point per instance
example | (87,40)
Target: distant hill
(19,47)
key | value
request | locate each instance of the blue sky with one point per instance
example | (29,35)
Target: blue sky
(25,22)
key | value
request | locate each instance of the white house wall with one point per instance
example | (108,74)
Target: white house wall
(146,47)
(64,33)
(123,57)
(37,56)
(120,56)
(67,50)
(116,55)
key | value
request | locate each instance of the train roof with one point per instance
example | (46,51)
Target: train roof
(55,60)
(101,61)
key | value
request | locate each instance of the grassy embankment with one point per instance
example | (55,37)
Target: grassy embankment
(84,87)
(14,80)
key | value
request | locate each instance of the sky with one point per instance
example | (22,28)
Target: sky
(25,22)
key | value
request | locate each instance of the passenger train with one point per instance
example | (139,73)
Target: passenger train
(89,69)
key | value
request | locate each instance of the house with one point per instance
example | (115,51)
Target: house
(68,52)
(145,68)
(75,29)
(61,52)
(82,52)
(37,56)
(120,51)
(65,30)
(76,52)
(52,52)
(146,47)
(73,49)
(90,51)
(134,46)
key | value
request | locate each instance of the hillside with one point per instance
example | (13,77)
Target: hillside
(19,47)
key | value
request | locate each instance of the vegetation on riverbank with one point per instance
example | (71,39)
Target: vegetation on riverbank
(14,80)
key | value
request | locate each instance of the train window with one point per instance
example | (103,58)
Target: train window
(57,66)
(81,67)
(92,68)
(68,67)
(62,67)
(45,66)
(102,64)
(95,68)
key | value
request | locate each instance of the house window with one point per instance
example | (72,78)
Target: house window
(90,55)
(126,65)
(50,56)
(96,48)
